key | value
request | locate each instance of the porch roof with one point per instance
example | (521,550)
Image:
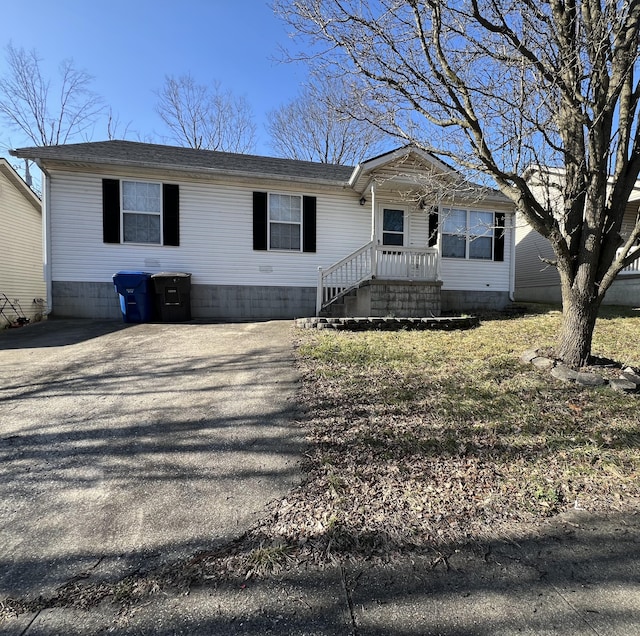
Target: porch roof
(418,173)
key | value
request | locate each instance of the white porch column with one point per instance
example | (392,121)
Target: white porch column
(374,251)
(373,211)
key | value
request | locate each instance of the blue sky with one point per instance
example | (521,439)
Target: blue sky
(130,46)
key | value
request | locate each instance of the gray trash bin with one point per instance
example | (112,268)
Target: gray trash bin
(172,292)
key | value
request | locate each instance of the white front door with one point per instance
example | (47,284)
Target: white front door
(392,226)
(392,231)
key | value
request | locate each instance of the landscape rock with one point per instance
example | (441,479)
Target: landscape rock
(630,375)
(628,382)
(390,323)
(589,379)
(528,356)
(564,373)
(543,363)
(623,386)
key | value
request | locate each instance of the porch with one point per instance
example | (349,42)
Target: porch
(381,280)
(631,270)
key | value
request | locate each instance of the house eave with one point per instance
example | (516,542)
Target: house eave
(202,172)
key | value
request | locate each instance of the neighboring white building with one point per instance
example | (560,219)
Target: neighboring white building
(537,281)
(254,231)
(21,278)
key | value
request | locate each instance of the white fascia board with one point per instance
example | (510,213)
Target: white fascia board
(213,172)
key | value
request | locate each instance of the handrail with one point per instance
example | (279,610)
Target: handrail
(343,276)
(407,263)
(375,261)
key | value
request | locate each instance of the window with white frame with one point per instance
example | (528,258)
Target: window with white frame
(141,212)
(285,222)
(467,234)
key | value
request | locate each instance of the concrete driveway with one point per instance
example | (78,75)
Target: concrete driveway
(123,445)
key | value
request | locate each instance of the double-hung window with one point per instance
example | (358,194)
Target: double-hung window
(468,234)
(285,222)
(141,212)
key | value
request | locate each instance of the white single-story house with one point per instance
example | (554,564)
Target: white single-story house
(22,287)
(538,281)
(400,234)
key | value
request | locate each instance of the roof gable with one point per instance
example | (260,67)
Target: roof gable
(414,171)
(405,154)
(407,165)
(18,182)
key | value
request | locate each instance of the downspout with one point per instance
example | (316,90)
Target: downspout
(46,239)
(512,260)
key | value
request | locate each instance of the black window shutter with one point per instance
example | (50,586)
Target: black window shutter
(308,224)
(433,229)
(171,213)
(111,211)
(259,220)
(498,237)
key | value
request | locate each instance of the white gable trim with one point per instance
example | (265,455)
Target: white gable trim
(375,163)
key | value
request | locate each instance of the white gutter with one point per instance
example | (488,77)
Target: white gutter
(61,164)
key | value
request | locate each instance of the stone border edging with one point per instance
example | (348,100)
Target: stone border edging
(447,323)
(628,382)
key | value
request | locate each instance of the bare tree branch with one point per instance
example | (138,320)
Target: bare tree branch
(207,117)
(44,114)
(321,125)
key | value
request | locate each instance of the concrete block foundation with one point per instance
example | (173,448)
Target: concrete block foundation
(470,301)
(74,299)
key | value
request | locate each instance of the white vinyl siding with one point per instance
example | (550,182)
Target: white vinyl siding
(629,220)
(531,249)
(460,274)
(21,276)
(216,235)
(465,274)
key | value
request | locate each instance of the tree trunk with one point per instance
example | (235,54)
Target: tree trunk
(579,315)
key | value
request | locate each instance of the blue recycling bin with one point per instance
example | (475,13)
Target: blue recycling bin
(136,299)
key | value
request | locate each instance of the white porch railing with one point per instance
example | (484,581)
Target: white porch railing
(375,261)
(633,268)
(406,263)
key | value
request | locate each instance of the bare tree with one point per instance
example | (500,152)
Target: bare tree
(44,114)
(207,117)
(319,126)
(115,128)
(510,86)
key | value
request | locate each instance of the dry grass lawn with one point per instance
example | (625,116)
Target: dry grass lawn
(418,439)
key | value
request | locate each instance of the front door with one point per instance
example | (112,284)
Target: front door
(393,226)
(392,232)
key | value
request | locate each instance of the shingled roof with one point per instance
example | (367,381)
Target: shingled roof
(132,153)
